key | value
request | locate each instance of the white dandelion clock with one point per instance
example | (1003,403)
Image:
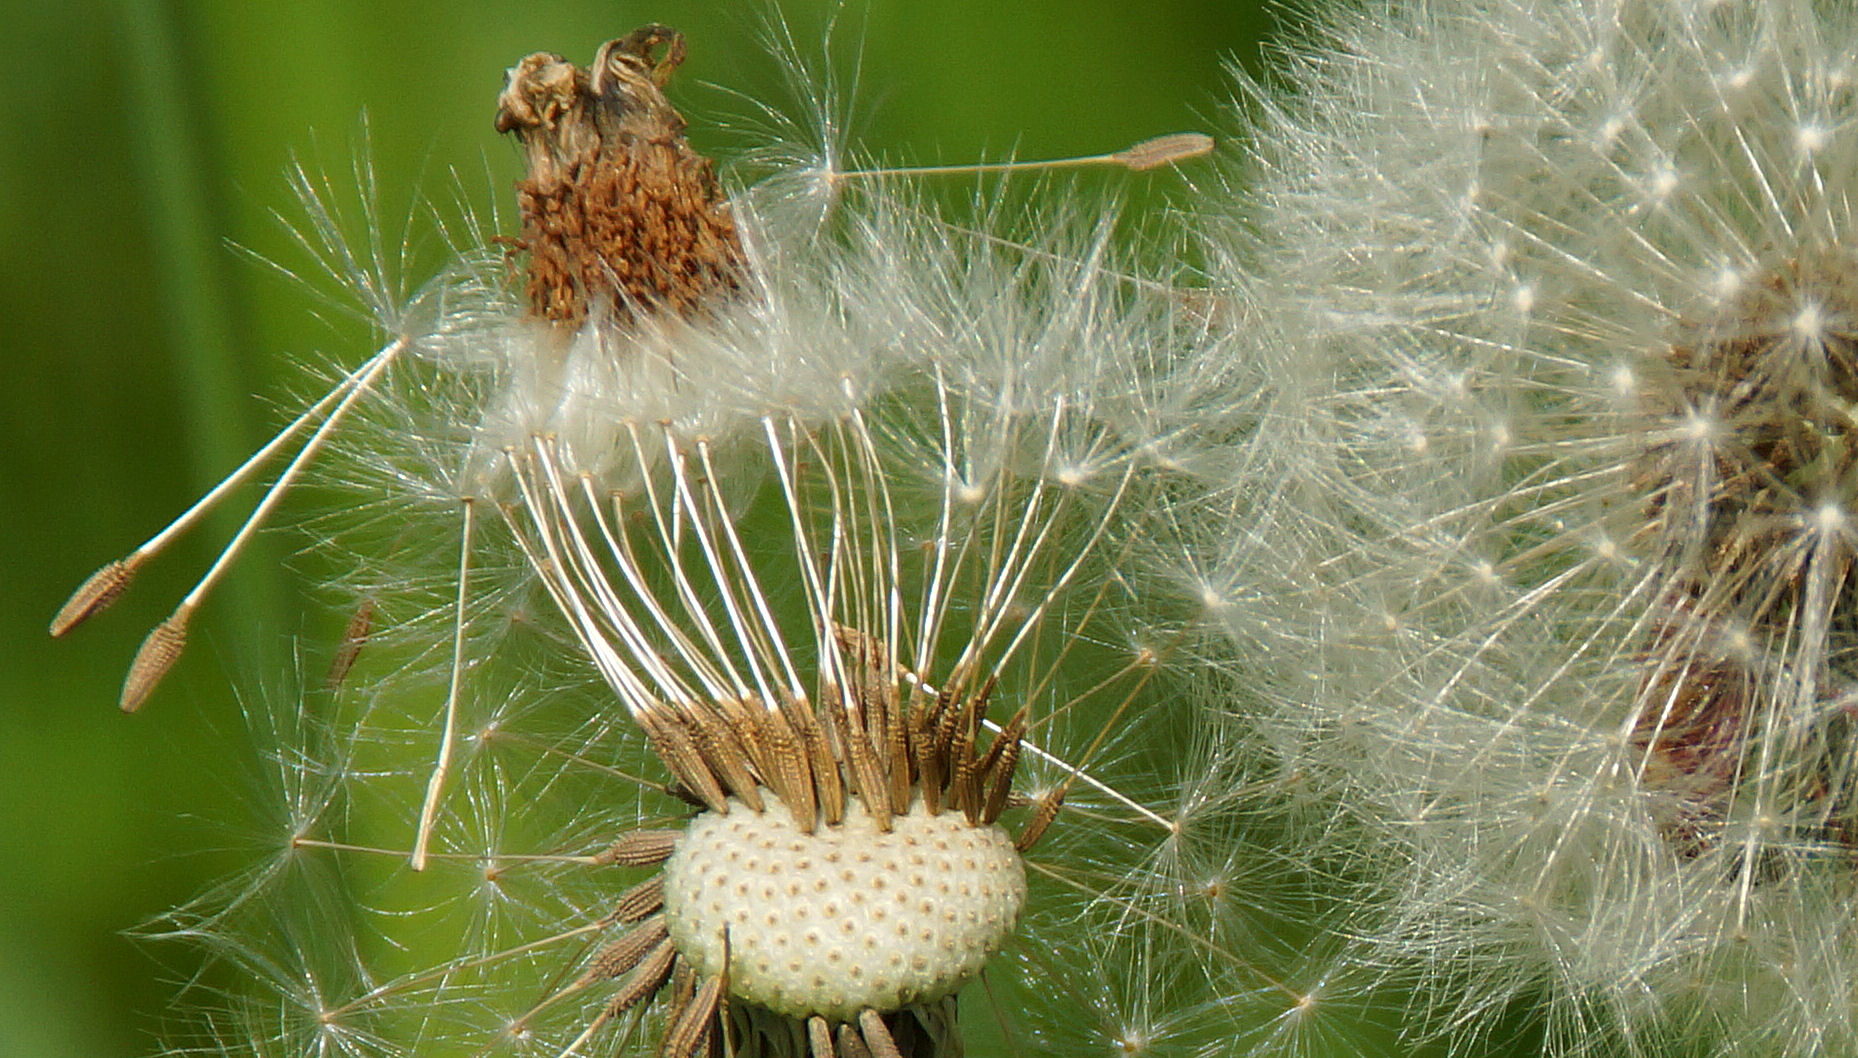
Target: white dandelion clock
(838,530)
(1551,576)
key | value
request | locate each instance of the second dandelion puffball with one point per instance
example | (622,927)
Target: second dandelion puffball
(1542,557)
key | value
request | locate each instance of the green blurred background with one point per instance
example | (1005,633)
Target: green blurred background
(139,141)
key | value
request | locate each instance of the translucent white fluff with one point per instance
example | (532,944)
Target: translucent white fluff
(1539,554)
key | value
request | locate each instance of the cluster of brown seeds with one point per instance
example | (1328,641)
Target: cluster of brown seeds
(869,742)
(872,794)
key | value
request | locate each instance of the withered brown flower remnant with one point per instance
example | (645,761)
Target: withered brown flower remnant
(620,216)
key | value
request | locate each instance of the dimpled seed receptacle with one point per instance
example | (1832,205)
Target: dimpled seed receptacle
(847,918)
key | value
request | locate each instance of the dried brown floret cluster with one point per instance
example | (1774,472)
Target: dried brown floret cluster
(620,216)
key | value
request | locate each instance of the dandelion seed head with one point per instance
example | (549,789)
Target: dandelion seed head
(910,552)
(1550,562)
(745,481)
(722,907)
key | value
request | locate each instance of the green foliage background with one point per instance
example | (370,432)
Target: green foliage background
(139,139)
